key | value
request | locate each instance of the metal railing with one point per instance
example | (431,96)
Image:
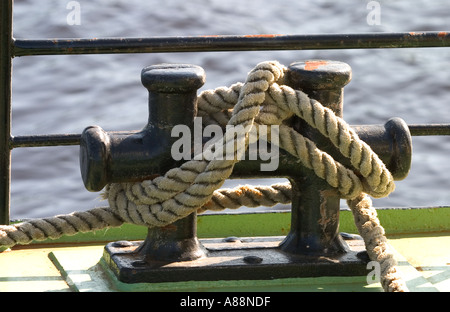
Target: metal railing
(11,47)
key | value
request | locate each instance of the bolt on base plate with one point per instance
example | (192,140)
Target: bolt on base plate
(254,258)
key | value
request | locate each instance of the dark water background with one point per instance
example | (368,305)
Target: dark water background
(65,94)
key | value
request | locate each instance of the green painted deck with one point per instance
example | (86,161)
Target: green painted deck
(420,237)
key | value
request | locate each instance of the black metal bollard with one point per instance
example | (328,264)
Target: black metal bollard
(315,204)
(127,157)
(136,156)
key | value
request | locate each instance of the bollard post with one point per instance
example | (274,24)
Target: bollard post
(315,204)
(127,156)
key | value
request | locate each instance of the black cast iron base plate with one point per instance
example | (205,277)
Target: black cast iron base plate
(255,258)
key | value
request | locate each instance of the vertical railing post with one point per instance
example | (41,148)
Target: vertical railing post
(6,16)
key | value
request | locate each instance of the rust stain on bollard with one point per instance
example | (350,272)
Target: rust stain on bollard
(312,65)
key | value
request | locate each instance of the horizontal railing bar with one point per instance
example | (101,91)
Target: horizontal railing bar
(429,129)
(45,140)
(24,47)
(74,139)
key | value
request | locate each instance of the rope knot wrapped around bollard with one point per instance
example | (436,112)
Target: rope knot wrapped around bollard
(263,100)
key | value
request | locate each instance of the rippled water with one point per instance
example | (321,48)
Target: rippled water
(65,94)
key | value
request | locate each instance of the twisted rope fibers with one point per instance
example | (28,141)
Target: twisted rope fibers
(263,99)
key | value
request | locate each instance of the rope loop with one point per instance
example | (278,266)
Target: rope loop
(263,100)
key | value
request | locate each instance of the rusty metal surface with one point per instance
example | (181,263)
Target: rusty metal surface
(23,47)
(255,258)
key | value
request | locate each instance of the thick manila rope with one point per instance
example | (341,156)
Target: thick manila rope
(262,99)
